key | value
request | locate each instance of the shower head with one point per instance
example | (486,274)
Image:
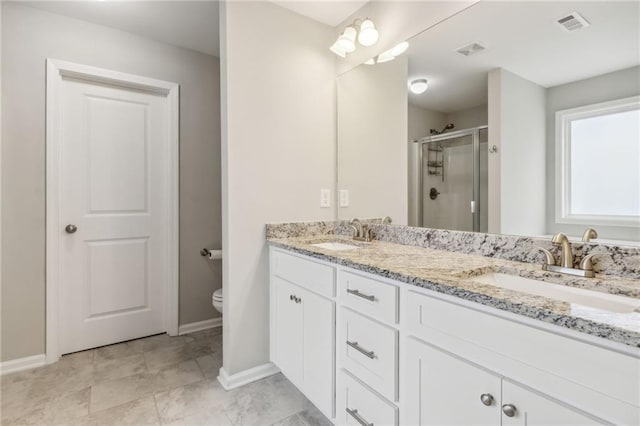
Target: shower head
(448,127)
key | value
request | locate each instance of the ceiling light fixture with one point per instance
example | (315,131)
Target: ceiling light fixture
(364,31)
(419,85)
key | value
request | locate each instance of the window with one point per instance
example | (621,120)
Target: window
(598,164)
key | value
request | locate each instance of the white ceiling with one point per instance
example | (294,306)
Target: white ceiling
(330,12)
(523,38)
(190,24)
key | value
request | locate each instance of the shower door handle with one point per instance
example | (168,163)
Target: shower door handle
(473,206)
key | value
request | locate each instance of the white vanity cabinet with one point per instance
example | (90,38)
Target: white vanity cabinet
(444,389)
(303,327)
(369,350)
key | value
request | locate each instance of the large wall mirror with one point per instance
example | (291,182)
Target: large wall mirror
(517,118)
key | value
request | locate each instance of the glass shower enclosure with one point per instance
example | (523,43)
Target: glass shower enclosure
(453,180)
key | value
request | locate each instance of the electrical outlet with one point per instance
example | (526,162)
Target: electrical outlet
(344,198)
(325,198)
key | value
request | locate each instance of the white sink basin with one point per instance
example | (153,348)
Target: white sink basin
(335,246)
(594,299)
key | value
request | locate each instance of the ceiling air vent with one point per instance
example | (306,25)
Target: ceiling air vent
(470,49)
(572,22)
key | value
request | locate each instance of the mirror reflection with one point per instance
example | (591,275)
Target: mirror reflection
(525,124)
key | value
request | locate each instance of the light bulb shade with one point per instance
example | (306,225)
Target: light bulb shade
(385,57)
(399,48)
(419,85)
(368,35)
(347,41)
(335,48)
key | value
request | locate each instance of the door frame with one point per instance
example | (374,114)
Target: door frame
(56,70)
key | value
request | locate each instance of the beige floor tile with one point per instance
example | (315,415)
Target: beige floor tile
(116,392)
(294,420)
(141,412)
(159,358)
(120,367)
(210,364)
(159,341)
(14,396)
(64,379)
(265,402)
(177,375)
(119,391)
(117,351)
(203,400)
(58,410)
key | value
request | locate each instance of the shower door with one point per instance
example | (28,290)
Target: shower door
(451,181)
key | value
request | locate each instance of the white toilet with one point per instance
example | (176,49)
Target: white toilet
(216,300)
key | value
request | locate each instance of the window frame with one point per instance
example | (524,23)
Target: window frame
(563,163)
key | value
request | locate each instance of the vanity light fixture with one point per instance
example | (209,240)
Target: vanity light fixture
(400,48)
(419,85)
(347,40)
(368,35)
(385,57)
(365,31)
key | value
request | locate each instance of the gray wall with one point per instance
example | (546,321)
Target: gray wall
(28,37)
(603,88)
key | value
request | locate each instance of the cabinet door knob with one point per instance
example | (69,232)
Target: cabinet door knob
(70,229)
(509,410)
(487,399)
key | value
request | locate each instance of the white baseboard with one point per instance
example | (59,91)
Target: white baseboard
(21,364)
(192,327)
(233,381)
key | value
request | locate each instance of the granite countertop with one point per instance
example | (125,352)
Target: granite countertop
(453,274)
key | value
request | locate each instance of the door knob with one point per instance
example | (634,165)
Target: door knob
(509,410)
(487,399)
(70,229)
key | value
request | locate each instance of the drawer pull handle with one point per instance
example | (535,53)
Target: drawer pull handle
(364,296)
(359,348)
(359,419)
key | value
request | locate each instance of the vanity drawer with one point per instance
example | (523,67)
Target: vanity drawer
(371,297)
(362,403)
(314,276)
(369,350)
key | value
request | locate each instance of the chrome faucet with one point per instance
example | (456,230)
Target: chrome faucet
(566,256)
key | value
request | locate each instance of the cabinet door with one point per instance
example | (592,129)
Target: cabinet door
(533,409)
(444,390)
(318,350)
(288,329)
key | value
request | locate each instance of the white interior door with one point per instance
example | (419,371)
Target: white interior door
(115,177)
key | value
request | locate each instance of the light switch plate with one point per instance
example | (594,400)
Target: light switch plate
(325,198)
(344,198)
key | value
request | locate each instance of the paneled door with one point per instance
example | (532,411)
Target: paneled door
(115,206)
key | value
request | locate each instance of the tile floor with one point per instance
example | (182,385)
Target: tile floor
(151,381)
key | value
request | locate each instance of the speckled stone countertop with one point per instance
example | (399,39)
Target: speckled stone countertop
(453,274)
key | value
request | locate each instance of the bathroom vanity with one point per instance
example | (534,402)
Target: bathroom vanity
(388,334)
